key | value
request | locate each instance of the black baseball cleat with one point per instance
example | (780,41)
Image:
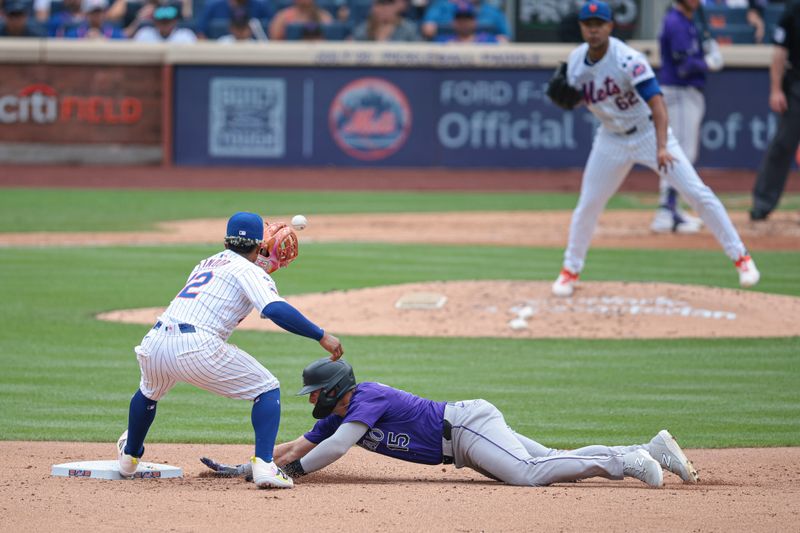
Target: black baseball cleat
(757,215)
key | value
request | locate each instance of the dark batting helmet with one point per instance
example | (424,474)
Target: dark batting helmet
(332,378)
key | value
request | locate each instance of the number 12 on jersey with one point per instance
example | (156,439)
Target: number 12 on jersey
(195,282)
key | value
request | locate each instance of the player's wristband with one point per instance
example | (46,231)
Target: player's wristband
(294,469)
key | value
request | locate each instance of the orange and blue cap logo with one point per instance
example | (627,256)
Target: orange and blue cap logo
(370,119)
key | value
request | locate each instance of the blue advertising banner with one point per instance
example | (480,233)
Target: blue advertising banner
(263,116)
(738,124)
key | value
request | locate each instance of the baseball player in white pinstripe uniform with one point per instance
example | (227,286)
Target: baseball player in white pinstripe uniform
(620,89)
(189,343)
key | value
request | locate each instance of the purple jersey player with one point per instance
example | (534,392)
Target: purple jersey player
(470,433)
(686,57)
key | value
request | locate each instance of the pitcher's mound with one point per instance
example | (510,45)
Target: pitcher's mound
(525,309)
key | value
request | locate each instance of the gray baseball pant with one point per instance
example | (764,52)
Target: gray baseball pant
(482,440)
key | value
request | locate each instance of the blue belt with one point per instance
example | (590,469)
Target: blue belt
(183,328)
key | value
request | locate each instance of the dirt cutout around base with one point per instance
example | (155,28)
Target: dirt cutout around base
(519,309)
(616,229)
(740,490)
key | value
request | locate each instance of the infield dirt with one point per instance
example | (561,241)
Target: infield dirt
(750,490)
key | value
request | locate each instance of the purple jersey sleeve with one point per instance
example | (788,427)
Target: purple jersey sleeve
(682,57)
(324,429)
(369,409)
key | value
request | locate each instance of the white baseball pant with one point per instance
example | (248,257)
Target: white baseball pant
(612,157)
(167,355)
(686,107)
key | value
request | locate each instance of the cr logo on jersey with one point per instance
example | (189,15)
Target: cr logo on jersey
(594,94)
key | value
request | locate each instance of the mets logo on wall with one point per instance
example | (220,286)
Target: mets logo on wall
(370,119)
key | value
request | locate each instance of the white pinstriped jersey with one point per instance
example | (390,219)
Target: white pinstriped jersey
(609,86)
(220,292)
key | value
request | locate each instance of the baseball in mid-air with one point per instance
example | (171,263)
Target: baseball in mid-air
(299,222)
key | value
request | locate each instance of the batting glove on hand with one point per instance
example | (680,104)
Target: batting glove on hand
(713,55)
(223,470)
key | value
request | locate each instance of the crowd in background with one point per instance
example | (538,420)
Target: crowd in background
(185,21)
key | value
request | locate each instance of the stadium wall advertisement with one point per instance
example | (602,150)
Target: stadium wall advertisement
(66,104)
(264,116)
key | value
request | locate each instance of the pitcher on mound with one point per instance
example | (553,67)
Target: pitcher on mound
(618,86)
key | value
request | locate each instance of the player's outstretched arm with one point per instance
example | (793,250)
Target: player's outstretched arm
(282,454)
(329,450)
(293,321)
(287,452)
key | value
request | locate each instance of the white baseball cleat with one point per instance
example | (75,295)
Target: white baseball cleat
(565,283)
(640,465)
(667,221)
(748,273)
(664,449)
(127,463)
(689,219)
(269,475)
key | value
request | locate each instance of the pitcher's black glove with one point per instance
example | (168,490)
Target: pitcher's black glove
(560,92)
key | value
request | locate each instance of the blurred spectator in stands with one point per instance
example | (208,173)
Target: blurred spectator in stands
(755,16)
(569,29)
(120,13)
(442,13)
(416,8)
(144,17)
(95,26)
(225,9)
(784,99)
(166,28)
(385,23)
(243,29)
(17,23)
(755,12)
(465,27)
(41,9)
(303,11)
(71,15)
(312,32)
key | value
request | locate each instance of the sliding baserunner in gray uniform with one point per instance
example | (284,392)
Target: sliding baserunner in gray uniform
(470,433)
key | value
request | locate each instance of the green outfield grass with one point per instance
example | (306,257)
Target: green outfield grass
(67,376)
(26,210)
